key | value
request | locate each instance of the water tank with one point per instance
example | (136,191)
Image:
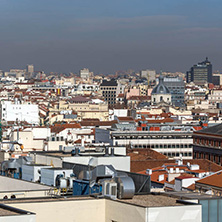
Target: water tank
(126,187)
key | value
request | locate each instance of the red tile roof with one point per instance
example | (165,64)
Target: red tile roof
(212,180)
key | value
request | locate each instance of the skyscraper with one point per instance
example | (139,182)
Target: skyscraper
(202,72)
(176,86)
(108,89)
(30,68)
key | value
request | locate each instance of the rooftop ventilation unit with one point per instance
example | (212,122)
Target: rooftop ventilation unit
(125,187)
(109,189)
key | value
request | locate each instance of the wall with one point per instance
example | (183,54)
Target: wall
(120,212)
(118,162)
(101,210)
(47,160)
(175,213)
(69,211)
(18,218)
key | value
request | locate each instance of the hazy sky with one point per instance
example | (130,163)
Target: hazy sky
(105,36)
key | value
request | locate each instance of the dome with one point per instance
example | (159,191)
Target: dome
(161,88)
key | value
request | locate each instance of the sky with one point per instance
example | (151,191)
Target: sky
(106,36)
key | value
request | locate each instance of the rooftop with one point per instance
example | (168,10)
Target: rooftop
(7,212)
(8,184)
(212,180)
(215,130)
(152,201)
(139,165)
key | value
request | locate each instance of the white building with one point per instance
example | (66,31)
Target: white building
(19,112)
(161,93)
(85,73)
(150,75)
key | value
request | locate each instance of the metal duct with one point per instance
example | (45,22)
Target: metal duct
(125,187)
(107,151)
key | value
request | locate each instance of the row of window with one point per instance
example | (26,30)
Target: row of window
(207,142)
(211,157)
(151,137)
(162,146)
(177,154)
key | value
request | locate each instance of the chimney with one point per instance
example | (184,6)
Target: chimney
(112,151)
(171,170)
(106,151)
(149,171)
(82,141)
(77,151)
(161,177)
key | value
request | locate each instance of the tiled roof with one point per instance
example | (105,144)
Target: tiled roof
(215,130)
(212,180)
(139,165)
(127,118)
(97,123)
(57,128)
(145,154)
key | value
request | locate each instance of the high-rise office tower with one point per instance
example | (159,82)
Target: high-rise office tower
(176,86)
(108,89)
(30,68)
(202,72)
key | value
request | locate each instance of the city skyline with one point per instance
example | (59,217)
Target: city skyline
(109,36)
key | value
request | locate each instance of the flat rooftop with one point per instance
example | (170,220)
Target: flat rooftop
(186,195)
(8,184)
(46,199)
(81,154)
(149,200)
(11,211)
(152,201)
(6,212)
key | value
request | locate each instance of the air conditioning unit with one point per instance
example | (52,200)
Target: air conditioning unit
(109,189)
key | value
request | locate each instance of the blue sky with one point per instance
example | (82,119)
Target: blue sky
(105,36)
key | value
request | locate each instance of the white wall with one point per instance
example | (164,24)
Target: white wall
(22,112)
(184,213)
(119,163)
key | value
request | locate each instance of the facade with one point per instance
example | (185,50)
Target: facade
(176,86)
(19,112)
(202,72)
(142,208)
(171,143)
(207,144)
(161,93)
(85,73)
(109,90)
(150,75)
(215,96)
(30,68)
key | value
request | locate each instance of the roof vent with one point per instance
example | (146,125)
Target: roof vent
(149,171)
(161,177)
